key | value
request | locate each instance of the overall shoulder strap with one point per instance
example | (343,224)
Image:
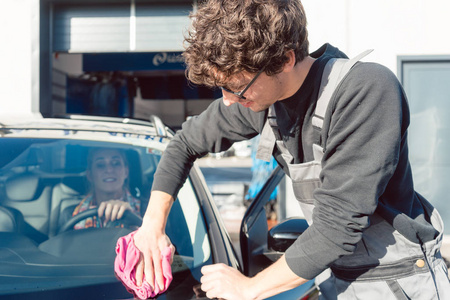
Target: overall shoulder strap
(334,71)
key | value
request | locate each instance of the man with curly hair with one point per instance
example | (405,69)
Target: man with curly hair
(368,226)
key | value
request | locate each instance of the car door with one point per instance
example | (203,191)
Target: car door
(254,236)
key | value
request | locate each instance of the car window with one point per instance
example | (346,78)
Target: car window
(43,181)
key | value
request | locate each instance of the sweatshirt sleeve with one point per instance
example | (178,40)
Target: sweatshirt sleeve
(214,130)
(369,116)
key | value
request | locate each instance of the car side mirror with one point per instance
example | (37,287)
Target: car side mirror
(284,234)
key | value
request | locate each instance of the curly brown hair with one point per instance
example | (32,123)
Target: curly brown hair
(228,37)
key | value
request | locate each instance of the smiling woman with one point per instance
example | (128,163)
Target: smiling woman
(107,173)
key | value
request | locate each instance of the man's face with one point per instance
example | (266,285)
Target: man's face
(260,95)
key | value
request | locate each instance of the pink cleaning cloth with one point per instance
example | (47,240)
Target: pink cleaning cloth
(127,256)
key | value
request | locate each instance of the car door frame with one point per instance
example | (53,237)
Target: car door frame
(254,235)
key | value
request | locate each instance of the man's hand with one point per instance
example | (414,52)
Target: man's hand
(151,244)
(224,282)
(113,210)
(151,240)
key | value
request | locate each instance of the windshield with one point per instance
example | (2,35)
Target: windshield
(45,182)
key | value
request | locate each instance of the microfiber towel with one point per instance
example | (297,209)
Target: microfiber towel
(127,256)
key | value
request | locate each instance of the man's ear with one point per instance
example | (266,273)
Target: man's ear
(289,65)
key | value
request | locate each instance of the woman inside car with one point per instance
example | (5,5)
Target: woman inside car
(107,172)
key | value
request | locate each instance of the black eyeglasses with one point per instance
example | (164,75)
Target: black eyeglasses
(241,93)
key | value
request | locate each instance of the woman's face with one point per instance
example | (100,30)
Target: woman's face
(108,172)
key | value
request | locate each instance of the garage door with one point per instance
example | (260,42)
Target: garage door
(120,27)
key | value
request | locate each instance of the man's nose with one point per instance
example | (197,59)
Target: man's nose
(229,98)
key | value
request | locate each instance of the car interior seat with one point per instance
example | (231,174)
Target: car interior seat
(26,194)
(66,195)
(11,220)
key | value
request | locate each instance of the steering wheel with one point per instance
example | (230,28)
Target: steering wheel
(129,218)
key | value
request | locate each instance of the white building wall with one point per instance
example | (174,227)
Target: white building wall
(392,28)
(19,57)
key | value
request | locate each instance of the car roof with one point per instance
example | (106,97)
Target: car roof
(86,127)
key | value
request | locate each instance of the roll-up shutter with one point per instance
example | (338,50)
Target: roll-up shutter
(91,28)
(161,28)
(120,27)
